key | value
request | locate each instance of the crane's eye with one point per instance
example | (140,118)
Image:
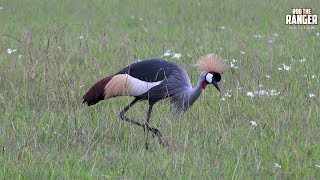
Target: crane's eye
(217,77)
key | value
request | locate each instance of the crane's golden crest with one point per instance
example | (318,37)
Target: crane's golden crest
(212,63)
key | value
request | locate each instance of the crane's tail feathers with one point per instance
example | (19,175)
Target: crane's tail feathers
(97,92)
(212,63)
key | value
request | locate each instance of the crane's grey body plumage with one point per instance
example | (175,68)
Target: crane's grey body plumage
(177,87)
(154,80)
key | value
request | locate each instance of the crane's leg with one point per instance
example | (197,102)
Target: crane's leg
(155,131)
(146,126)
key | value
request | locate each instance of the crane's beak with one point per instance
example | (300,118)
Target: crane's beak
(215,83)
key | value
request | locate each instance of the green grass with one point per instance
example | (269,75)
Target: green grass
(47,132)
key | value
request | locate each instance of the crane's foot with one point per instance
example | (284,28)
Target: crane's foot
(157,133)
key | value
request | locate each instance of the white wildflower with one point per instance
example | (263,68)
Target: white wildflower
(285,67)
(317,165)
(253,123)
(167,53)
(280,69)
(317,34)
(81,37)
(262,93)
(311,95)
(257,36)
(233,64)
(276,34)
(268,76)
(303,60)
(20,56)
(10,51)
(277,165)
(274,92)
(222,27)
(270,41)
(313,76)
(242,52)
(177,55)
(227,94)
(250,94)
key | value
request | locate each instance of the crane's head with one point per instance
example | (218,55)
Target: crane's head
(211,78)
(212,67)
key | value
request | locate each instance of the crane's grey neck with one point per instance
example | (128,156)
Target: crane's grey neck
(184,96)
(195,92)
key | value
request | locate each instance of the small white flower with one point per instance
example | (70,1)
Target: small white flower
(33,76)
(274,92)
(223,99)
(303,60)
(317,34)
(287,68)
(10,51)
(59,48)
(1,8)
(260,85)
(253,123)
(81,37)
(177,55)
(222,27)
(276,34)
(227,94)
(257,36)
(311,95)
(263,93)
(277,165)
(81,86)
(270,41)
(250,94)
(166,54)
(140,19)
(268,76)
(242,52)
(317,165)
(280,69)
(20,56)
(232,64)
(313,76)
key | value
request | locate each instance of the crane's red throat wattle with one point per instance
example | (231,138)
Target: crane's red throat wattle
(204,84)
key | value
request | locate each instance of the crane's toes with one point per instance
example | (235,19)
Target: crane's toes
(162,141)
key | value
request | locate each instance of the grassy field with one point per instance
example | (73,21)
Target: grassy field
(265,124)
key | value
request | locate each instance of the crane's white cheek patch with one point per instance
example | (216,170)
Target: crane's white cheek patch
(209,77)
(124,84)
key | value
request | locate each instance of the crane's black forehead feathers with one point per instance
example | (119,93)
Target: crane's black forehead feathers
(217,76)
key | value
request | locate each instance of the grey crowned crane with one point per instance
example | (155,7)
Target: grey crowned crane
(153,80)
